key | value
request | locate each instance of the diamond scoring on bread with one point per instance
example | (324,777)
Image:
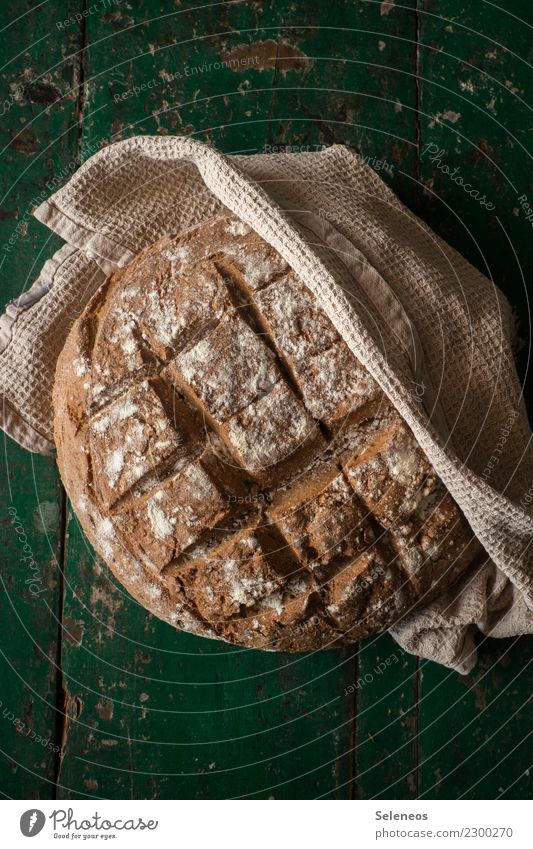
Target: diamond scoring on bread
(234,463)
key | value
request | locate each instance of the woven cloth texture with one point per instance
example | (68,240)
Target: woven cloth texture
(343,231)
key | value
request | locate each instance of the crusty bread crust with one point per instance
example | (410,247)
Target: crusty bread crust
(234,464)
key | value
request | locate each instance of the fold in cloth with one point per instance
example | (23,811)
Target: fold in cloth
(432,331)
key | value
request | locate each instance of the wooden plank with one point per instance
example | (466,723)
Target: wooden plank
(351,81)
(38,138)
(205,73)
(29,609)
(155,713)
(475,730)
(474,125)
(387,721)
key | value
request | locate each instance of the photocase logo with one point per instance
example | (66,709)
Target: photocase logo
(32,822)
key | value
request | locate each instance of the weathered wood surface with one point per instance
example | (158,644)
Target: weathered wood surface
(138,710)
(38,134)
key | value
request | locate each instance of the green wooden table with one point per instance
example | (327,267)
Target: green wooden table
(98,699)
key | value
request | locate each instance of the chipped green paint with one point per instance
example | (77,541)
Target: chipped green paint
(144,712)
(38,136)
(474,118)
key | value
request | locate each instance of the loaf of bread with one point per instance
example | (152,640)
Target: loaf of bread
(232,461)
